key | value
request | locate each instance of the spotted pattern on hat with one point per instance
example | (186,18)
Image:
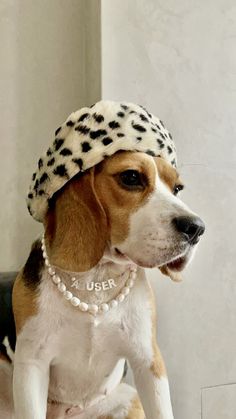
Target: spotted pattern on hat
(87,137)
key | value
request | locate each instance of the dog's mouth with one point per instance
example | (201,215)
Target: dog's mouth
(178,264)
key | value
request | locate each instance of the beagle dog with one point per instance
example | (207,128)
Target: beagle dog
(101,230)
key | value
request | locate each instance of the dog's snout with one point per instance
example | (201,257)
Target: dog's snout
(191,227)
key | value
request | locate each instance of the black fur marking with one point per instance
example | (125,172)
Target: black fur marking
(170,136)
(82,117)
(120,134)
(139,138)
(107,140)
(30,195)
(133,112)
(57,131)
(150,115)
(70,123)
(169,149)
(173,162)
(162,123)
(51,162)
(49,152)
(85,147)
(125,107)
(32,271)
(98,118)
(43,178)
(154,129)
(97,133)
(161,144)
(121,114)
(40,163)
(66,152)
(41,192)
(79,163)
(83,129)
(58,143)
(143,117)
(36,185)
(92,105)
(162,136)
(150,153)
(138,127)
(61,171)
(34,176)
(125,369)
(114,124)
(29,209)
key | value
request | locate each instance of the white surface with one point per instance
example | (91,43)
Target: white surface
(219,402)
(179,59)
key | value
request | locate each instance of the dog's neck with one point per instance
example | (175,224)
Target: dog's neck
(102,282)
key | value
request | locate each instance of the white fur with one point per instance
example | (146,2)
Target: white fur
(151,226)
(78,359)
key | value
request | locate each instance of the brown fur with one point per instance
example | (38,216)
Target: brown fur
(24,302)
(93,209)
(167,173)
(118,202)
(157,366)
(136,410)
(105,417)
(76,226)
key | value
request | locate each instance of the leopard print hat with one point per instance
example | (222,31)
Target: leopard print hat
(87,137)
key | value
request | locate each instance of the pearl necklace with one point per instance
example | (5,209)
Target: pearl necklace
(75,301)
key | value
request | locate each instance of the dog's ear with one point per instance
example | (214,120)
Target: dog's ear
(76,229)
(174,276)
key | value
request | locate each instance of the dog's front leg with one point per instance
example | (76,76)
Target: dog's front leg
(30,386)
(152,385)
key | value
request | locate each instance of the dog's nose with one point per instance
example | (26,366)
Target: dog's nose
(191,227)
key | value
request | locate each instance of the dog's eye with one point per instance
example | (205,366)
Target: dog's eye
(177,189)
(131,179)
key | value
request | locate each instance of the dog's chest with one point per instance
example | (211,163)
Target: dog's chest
(85,351)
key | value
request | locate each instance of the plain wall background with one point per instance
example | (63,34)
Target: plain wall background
(50,66)
(179,60)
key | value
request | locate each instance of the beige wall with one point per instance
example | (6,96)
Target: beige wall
(50,66)
(178,58)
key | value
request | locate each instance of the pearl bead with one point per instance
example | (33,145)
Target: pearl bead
(104,307)
(75,301)
(68,295)
(133,275)
(125,291)
(130,283)
(56,279)
(113,303)
(93,308)
(120,298)
(61,287)
(83,306)
(51,271)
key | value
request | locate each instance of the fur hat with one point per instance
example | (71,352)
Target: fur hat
(87,137)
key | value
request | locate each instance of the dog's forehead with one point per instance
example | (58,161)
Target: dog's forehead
(124,160)
(167,173)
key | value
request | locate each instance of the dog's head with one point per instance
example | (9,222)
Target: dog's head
(127,207)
